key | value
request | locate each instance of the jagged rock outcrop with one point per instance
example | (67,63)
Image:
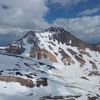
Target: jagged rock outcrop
(71,51)
(59,97)
(79,59)
(39,53)
(64,36)
(85,53)
(14,49)
(93,65)
(66,59)
(41,81)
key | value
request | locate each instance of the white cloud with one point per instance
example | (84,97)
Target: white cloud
(6,30)
(67,2)
(17,16)
(84,27)
(89,11)
(23,13)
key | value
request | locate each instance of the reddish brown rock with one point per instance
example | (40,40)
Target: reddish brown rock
(39,53)
(22,81)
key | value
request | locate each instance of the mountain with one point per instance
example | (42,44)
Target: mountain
(50,65)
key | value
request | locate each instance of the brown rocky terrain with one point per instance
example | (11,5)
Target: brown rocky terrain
(39,53)
(25,82)
(66,59)
(14,49)
(22,81)
(64,36)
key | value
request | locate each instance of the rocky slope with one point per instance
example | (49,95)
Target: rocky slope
(65,67)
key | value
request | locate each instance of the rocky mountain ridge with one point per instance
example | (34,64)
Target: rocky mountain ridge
(56,60)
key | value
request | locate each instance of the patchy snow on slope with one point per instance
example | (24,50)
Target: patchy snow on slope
(62,80)
(12,88)
(70,41)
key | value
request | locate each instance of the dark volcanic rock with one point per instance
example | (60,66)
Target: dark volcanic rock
(66,59)
(59,98)
(93,65)
(64,36)
(82,62)
(18,73)
(42,81)
(71,51)
(85,53)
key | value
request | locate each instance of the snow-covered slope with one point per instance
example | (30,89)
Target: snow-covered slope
(60,66)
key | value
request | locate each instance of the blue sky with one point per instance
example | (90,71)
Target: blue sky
(80,17)
(58,11)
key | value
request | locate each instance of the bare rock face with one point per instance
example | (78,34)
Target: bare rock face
(85,53)
(14,49)
(64,36)
(66,59)
(82,62)
(95,73)
(43,53)
(93,65)
(24,82)
(31,38)
(59,97)
(79,57)
(71,51)
(41,81)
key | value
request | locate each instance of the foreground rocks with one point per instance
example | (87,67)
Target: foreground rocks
(59,97)
(42,81)
(68,98)
(22,81)
(25,82)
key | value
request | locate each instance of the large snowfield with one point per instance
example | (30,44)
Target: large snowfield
(68,81)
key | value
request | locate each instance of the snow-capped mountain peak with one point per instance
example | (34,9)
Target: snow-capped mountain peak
(56,57)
